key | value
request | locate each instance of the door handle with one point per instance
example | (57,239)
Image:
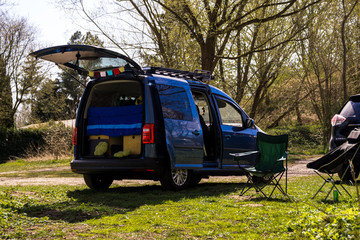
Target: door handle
(227,137)
(196,133)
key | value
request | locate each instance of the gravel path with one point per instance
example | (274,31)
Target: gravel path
(294,170)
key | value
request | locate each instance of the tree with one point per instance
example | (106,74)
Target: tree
(48,102)
(6,119)
(209,23)
(258,57)
(343,40)
(16,40)
(319,58)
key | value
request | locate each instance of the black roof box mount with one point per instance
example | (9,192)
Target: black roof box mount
(197,75)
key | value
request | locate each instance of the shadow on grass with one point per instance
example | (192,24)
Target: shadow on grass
(86,204)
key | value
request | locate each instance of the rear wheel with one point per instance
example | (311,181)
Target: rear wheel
(97,182)
(176,179)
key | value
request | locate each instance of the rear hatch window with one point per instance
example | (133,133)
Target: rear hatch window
(88,59)
(351,109)
(114,113)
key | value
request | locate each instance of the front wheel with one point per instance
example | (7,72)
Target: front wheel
(176,179)
(97,182)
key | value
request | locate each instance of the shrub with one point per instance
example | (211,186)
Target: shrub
(15,142)
(304,139)
(58,140)
(50,139)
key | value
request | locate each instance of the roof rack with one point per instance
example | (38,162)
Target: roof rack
(197,75)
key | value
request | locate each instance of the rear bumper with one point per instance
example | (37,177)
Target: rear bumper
(115,165)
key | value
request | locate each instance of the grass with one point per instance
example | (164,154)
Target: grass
(25,165)
(211,210)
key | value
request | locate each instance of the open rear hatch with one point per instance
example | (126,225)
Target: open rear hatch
(113,112)
(87,59)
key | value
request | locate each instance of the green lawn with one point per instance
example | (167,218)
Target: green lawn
(211,210)
(25,165)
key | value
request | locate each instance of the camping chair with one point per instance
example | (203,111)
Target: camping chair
(270,165)
(336,161)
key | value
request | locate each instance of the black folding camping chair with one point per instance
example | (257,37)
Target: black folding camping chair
(337,161)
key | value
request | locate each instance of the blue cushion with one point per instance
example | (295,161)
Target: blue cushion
(115,121)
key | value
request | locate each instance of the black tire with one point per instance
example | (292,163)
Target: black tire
(347,175)
(175,179)
(97,182)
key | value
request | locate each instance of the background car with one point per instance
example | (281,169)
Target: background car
(347,119)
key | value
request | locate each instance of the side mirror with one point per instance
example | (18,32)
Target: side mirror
(250,123)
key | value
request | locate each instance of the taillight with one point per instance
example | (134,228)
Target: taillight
(337,120)
(148,134)
(75,136)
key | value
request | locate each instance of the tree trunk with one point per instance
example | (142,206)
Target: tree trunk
(343,76)
(208,54)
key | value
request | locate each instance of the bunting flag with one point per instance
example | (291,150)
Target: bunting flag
(112,72)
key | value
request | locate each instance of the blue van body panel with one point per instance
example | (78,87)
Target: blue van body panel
(237,141)
(184,136)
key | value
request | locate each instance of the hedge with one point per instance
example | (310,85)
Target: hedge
(22,142)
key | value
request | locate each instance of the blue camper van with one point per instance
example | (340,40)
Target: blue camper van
(151,123)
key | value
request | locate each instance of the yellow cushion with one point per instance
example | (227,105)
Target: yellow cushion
(101,148)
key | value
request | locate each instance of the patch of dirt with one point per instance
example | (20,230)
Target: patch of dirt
(296,169)
(299,168)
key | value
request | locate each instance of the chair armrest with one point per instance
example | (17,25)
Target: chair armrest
(283,158)
(243,154)
(243,161)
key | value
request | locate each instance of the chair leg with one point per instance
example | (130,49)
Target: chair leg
(252,184)
(344,190)
(332,187)
(247,185)
(259,188)
(333,182)
(276,181)
(321,185)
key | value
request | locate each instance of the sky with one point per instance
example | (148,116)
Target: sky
(54,27)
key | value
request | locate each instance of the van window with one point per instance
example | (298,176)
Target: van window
(351,109)
(115,94)
(174,102)
(229,114)
(202,105)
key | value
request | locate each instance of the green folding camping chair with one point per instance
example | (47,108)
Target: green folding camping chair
(270,168)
